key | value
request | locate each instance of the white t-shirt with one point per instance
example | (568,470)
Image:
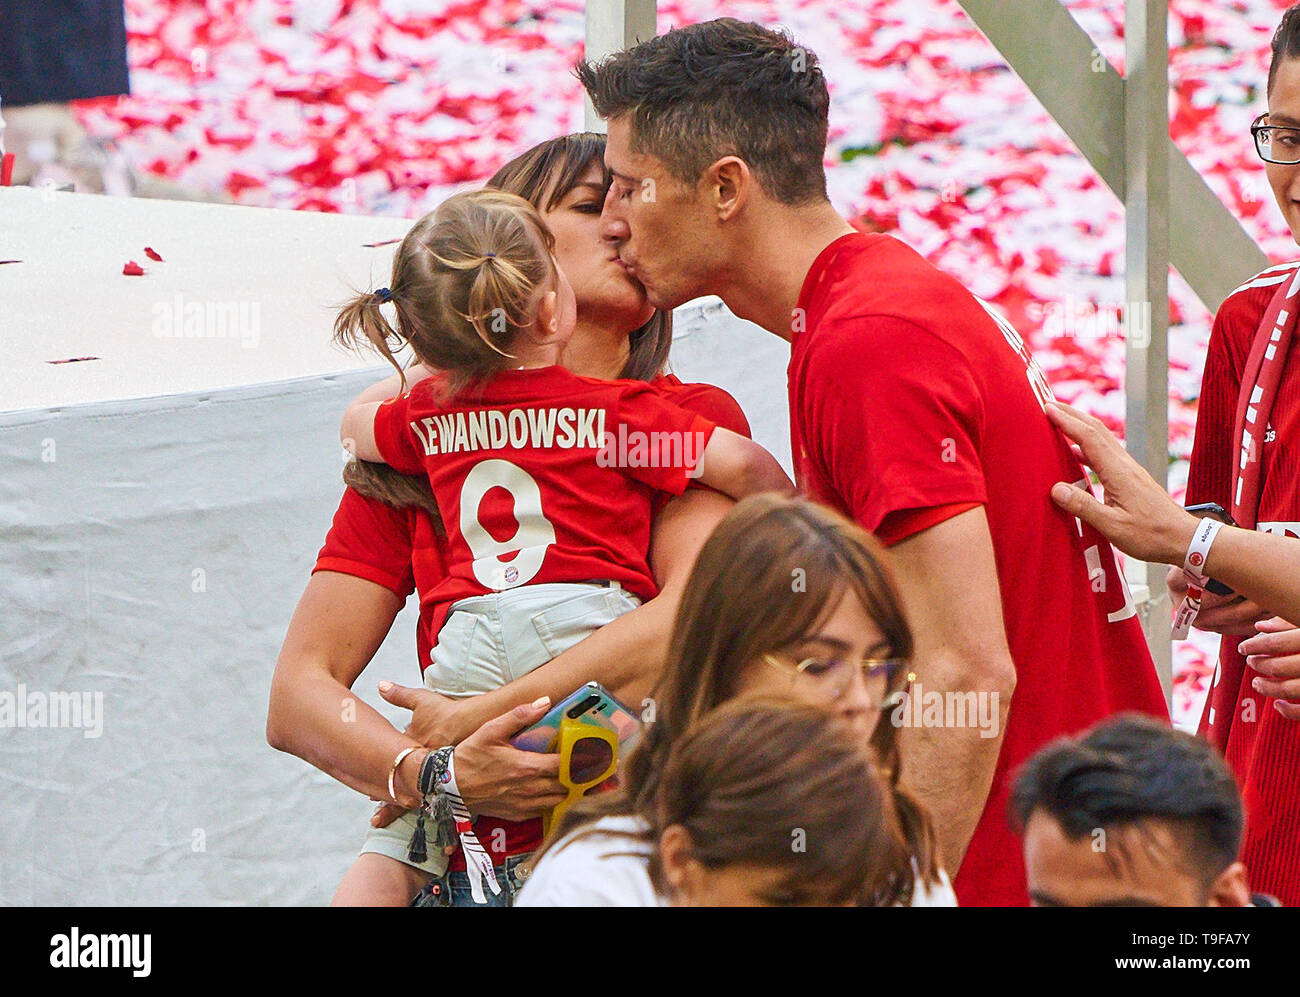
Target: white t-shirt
(602,867)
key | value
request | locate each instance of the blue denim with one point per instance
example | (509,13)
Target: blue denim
(453,890)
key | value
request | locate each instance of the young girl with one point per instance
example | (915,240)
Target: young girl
(543,479)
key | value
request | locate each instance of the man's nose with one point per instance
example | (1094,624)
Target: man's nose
(613,229)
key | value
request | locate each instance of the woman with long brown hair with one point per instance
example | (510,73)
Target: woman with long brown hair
(786,598)
(386,541)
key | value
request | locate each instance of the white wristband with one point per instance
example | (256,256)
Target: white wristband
(1198,551)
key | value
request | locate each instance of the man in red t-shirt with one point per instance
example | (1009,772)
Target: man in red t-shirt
(1260,744)
(913,409)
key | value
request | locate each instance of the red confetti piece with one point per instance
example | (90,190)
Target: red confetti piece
(133,269)
(152,254)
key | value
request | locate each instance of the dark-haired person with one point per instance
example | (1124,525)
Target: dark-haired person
(386,542)
(1132,814)
(769,803)
(1246,458)
(914,410)
(786,599)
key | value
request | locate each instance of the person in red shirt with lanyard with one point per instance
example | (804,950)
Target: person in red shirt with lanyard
(543,479)
(1246,458)
(386,540)
(914,409)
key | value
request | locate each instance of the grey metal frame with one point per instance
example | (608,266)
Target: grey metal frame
(1122,128)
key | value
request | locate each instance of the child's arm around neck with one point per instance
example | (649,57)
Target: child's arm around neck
(357,431)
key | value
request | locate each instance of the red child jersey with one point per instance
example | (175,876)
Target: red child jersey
(908,394)
(1261,746)
(401,550)
(543,476)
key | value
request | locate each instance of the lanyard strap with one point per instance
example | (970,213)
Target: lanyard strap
(1259,383)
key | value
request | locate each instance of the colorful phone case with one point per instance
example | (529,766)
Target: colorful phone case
(592,704)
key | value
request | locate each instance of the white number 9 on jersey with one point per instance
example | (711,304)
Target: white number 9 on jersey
(534,535)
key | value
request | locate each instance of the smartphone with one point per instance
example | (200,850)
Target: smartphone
(1213,510)
(592,704)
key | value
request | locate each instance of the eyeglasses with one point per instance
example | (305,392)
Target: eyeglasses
(832,676)
(588,756)
(1275,143)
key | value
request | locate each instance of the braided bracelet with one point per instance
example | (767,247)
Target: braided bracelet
(431,781)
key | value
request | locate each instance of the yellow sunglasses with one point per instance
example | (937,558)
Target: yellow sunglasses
(588,756)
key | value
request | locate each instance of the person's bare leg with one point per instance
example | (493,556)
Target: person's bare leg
(377,881)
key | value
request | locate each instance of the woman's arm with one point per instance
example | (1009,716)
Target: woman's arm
(625,656)
(339,624)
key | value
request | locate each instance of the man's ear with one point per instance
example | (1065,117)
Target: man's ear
(1231,888)
(730,184)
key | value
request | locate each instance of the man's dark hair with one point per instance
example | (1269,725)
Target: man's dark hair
(1131,770)
(721,88)
(1286,42)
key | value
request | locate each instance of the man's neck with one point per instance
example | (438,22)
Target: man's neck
(764,286)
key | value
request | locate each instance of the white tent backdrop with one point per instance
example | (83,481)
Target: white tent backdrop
(160,510)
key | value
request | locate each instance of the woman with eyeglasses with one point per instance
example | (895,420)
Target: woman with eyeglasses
(786,599)
(1246,459)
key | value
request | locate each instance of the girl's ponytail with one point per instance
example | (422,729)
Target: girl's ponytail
(360,323)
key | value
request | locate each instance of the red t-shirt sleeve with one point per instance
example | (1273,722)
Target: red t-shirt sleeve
(395,438)
(673,438)
(898,526)
(714,404)
(370,540)
(1209,476)
(898,426)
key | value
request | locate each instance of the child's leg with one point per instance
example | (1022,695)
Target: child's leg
(375,880)
(381,876)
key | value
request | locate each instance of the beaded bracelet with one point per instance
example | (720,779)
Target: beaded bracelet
(432,778)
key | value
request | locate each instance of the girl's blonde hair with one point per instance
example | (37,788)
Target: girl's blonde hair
(466,281)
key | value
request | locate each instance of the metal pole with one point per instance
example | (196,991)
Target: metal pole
(613,25)
(1146,278)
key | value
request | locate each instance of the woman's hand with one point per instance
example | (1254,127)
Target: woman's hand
(499,779)
(436,721)
(494,776)
(1274,652)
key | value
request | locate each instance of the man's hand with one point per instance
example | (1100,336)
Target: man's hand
(436,721)
(1138,515)
(1274,652)
(1228,615)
